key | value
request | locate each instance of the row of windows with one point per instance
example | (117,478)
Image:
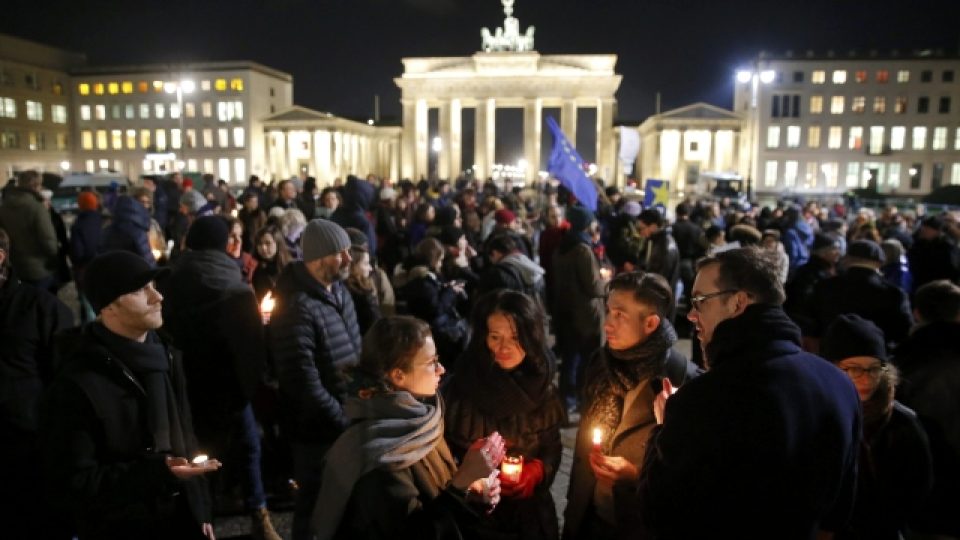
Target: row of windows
(882,76)
(33,109)
(230,170)
(227,111)
(788,105)
(879,142)
(33,140)
(171,87)
(159,140)
(31,80)
(884,176)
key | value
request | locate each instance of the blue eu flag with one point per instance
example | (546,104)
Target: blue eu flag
(656,193)
(566,165)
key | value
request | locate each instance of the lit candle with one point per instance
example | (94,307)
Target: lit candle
(597,437)
(266,307)
(200,459)
(511,467)
(156,254)
(605,273)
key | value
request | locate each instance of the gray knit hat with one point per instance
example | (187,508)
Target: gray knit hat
(322,238)
(193,200)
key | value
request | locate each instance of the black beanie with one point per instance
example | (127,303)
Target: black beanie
(208,232)
(450,235)
(114,274)
(851,335)
(444,216)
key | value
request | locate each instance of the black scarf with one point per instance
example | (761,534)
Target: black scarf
(619,372)
(752,334)
(150,365)
(502,393)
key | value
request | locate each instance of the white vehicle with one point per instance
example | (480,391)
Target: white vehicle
(65,197)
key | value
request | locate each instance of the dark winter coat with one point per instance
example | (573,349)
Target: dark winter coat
(100,455)
(661,256)
(764,445)
(265,278)
(357,197)
(129,229)
(797,241)
(29,318)
(33,240)
(862,291)
(252,221)
(799,304)
(367,306)
(578,290)
(929,363)
(428,299)
(522,405)
(85,237)
(931,260)
(689,238)
(213,318)
(314,339)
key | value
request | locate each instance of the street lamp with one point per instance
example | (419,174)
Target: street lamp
(754,77)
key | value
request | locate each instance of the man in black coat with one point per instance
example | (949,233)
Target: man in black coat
(116,428)
(358,197)
(690,244)
(314,338)
(929,363)
(29,318)
(659,253)
(824,256)
(213,317)
(933,255)
(862,290)
(764,444)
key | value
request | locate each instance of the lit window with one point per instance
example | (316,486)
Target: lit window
(860,76)
(818,77)
(8,107)
(143,87)
(58,114)
(955,174)
(773,136)
(85,112)
(207,109)
(853,175)
(129,111)
(83,89)
(893,175)
(159,110)
(223,168)
(956,139)
(190,140)
(790,169)
(86,140)
(205,85)
(879,104)
(240,165)
(126,87)
(919,138)
(813,137)
(855,138)
(62,139)
(770,174)
(208,138)
(220,85)
(100,112)
(101,139)
(116,137)
(98,89)
(57,89)
(174,110)
(858,104)
(816,104)
(144,111)
(161,140)
(223,138)
(236,85)
(190,109)
(876,139)
(144,139)
(157,87)
(113,88)
(900,105)
(793,136)
(115,112)
(903,76)
(238,137)
(939,138)
(175,141)
(131,139)
(34,110)
(811,176)
(839,76)
(882,76)
(836,105)
(835,137)
(831,173)
(238,110)
(898,136)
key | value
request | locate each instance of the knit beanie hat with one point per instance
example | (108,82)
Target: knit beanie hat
(450,235)
(208,232)
(632,209)
(114,274)
(321,238)
(822,241)
(87,200)
(865,249)
(851,335)
(193,200)
(580,218)
(357,237)
(504,216)
(444,216)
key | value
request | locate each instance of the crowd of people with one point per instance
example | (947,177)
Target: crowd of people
(400,359)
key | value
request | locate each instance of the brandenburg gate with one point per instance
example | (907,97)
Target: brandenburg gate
(508,73)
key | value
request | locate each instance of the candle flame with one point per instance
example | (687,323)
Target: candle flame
(597,436)
(266,306)
(156,254)
(199,459)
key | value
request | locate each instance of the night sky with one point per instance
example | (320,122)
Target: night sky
(343,52)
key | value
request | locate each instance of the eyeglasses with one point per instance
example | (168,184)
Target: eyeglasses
(697,301)
(433,363)
(855,372)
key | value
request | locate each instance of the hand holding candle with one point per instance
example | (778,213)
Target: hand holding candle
(266,307)
(597,438)
(184,469)
(511,468)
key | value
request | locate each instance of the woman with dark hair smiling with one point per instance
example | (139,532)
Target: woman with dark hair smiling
(391,474)
(504,383)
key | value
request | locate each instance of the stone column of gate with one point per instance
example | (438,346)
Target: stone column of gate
(532,128)
(408,139)
(712,159)
(568,120)
(455,135)
(422,147)
(606,147)
(486,130)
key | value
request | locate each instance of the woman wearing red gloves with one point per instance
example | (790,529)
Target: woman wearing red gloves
(504,383)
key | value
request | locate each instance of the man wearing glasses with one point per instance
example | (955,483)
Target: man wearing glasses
(763,445)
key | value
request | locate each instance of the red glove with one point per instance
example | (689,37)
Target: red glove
(530,478)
